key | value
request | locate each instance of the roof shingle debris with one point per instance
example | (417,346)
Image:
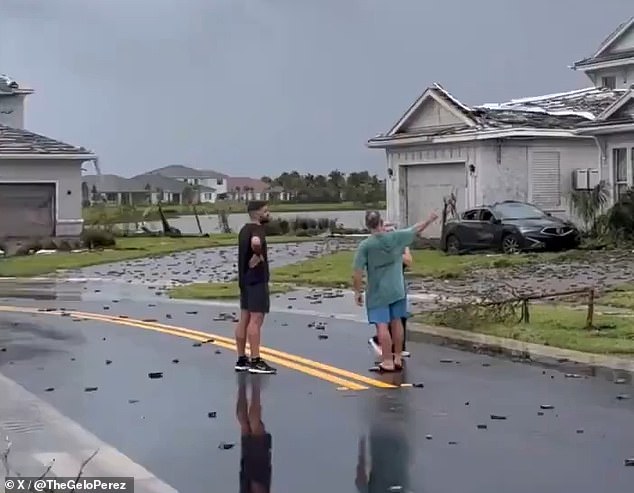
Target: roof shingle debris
(23,142)
(561,111)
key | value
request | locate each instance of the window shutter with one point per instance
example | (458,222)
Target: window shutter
(545,179)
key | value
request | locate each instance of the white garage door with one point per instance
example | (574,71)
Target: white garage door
(427,185)
(27,210)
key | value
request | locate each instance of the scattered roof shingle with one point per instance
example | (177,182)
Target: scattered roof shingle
(24,142)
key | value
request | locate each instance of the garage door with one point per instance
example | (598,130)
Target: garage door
(427,185)
(27,210)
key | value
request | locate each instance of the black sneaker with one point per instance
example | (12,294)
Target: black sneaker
(242,364)
(258,365)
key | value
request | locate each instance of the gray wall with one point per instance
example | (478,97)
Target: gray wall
(12,110)
(510,178)
(66,174)
(501,172)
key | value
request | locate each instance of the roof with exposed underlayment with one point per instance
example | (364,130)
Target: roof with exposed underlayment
(16,141)
(559,111)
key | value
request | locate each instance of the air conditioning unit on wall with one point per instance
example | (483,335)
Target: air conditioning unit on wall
(585,178)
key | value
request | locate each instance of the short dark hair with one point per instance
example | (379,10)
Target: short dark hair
(373,219)
(255,205)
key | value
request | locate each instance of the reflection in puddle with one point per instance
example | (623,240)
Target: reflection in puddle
(384,455)
(256,444)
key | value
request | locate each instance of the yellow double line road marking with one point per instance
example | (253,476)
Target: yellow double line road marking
(338,376)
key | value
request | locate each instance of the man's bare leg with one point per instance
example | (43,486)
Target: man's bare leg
(242,406)
(387,361)
(241,333)
(254,333)
(397,338)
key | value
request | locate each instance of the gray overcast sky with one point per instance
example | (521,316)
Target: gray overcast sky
(254,87)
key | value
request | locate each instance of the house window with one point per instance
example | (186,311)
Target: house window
(609,82)
(619,162)
(219,181)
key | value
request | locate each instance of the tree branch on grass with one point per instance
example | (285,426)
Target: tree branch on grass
(4,459)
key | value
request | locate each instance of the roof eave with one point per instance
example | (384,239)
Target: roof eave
(383,143)
(82,157)
(606,129)
(585,66)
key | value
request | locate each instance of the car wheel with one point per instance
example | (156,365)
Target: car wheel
(453,245)
(510,244)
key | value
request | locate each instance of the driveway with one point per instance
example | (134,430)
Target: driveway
(75,382)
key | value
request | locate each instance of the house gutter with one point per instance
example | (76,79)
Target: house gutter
(82,157)
(497,134)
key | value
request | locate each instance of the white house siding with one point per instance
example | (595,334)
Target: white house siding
(12,110)
(64,174)
(624,43)
(624,76)
(513,172)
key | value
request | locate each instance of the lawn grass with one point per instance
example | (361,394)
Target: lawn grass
(127,248)
(560,326)
(623,297)
(336,270)
(117,214)
(217,290)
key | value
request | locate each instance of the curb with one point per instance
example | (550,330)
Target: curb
(564,359)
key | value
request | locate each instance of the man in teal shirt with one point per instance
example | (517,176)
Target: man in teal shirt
(380,256)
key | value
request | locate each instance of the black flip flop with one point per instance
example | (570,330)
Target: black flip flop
(381,369)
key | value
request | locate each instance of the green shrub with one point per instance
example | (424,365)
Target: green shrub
(620,218)
(97,238)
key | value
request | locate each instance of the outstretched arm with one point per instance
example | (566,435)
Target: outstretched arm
(407,258)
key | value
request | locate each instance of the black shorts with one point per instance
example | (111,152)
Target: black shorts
(255,298)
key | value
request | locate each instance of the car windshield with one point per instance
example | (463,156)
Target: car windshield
(518,211)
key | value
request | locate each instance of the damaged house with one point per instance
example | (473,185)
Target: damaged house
(536,149)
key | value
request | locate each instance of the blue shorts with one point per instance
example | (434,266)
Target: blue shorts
(385,314)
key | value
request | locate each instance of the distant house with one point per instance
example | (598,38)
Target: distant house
(40,178)
(212,180)
(535,149)
(244,188)
(139,190)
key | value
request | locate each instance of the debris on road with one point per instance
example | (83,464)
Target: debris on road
(498,417)
(156,374)
(90,389)
(226,446)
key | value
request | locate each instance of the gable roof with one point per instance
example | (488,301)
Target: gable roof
(553,112)
(442,97)
(20,143)
(180,171)
(602,55)
(168,184)
(113,183)
(614,36)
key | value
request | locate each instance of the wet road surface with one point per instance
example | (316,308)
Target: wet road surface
(435,439)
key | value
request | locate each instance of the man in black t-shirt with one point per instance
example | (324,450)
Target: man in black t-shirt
(253,280)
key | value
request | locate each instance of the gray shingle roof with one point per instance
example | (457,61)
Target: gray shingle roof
(24,142)
(167,184)
(180,171)
(113,183)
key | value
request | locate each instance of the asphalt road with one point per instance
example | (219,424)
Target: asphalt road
(333,425)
